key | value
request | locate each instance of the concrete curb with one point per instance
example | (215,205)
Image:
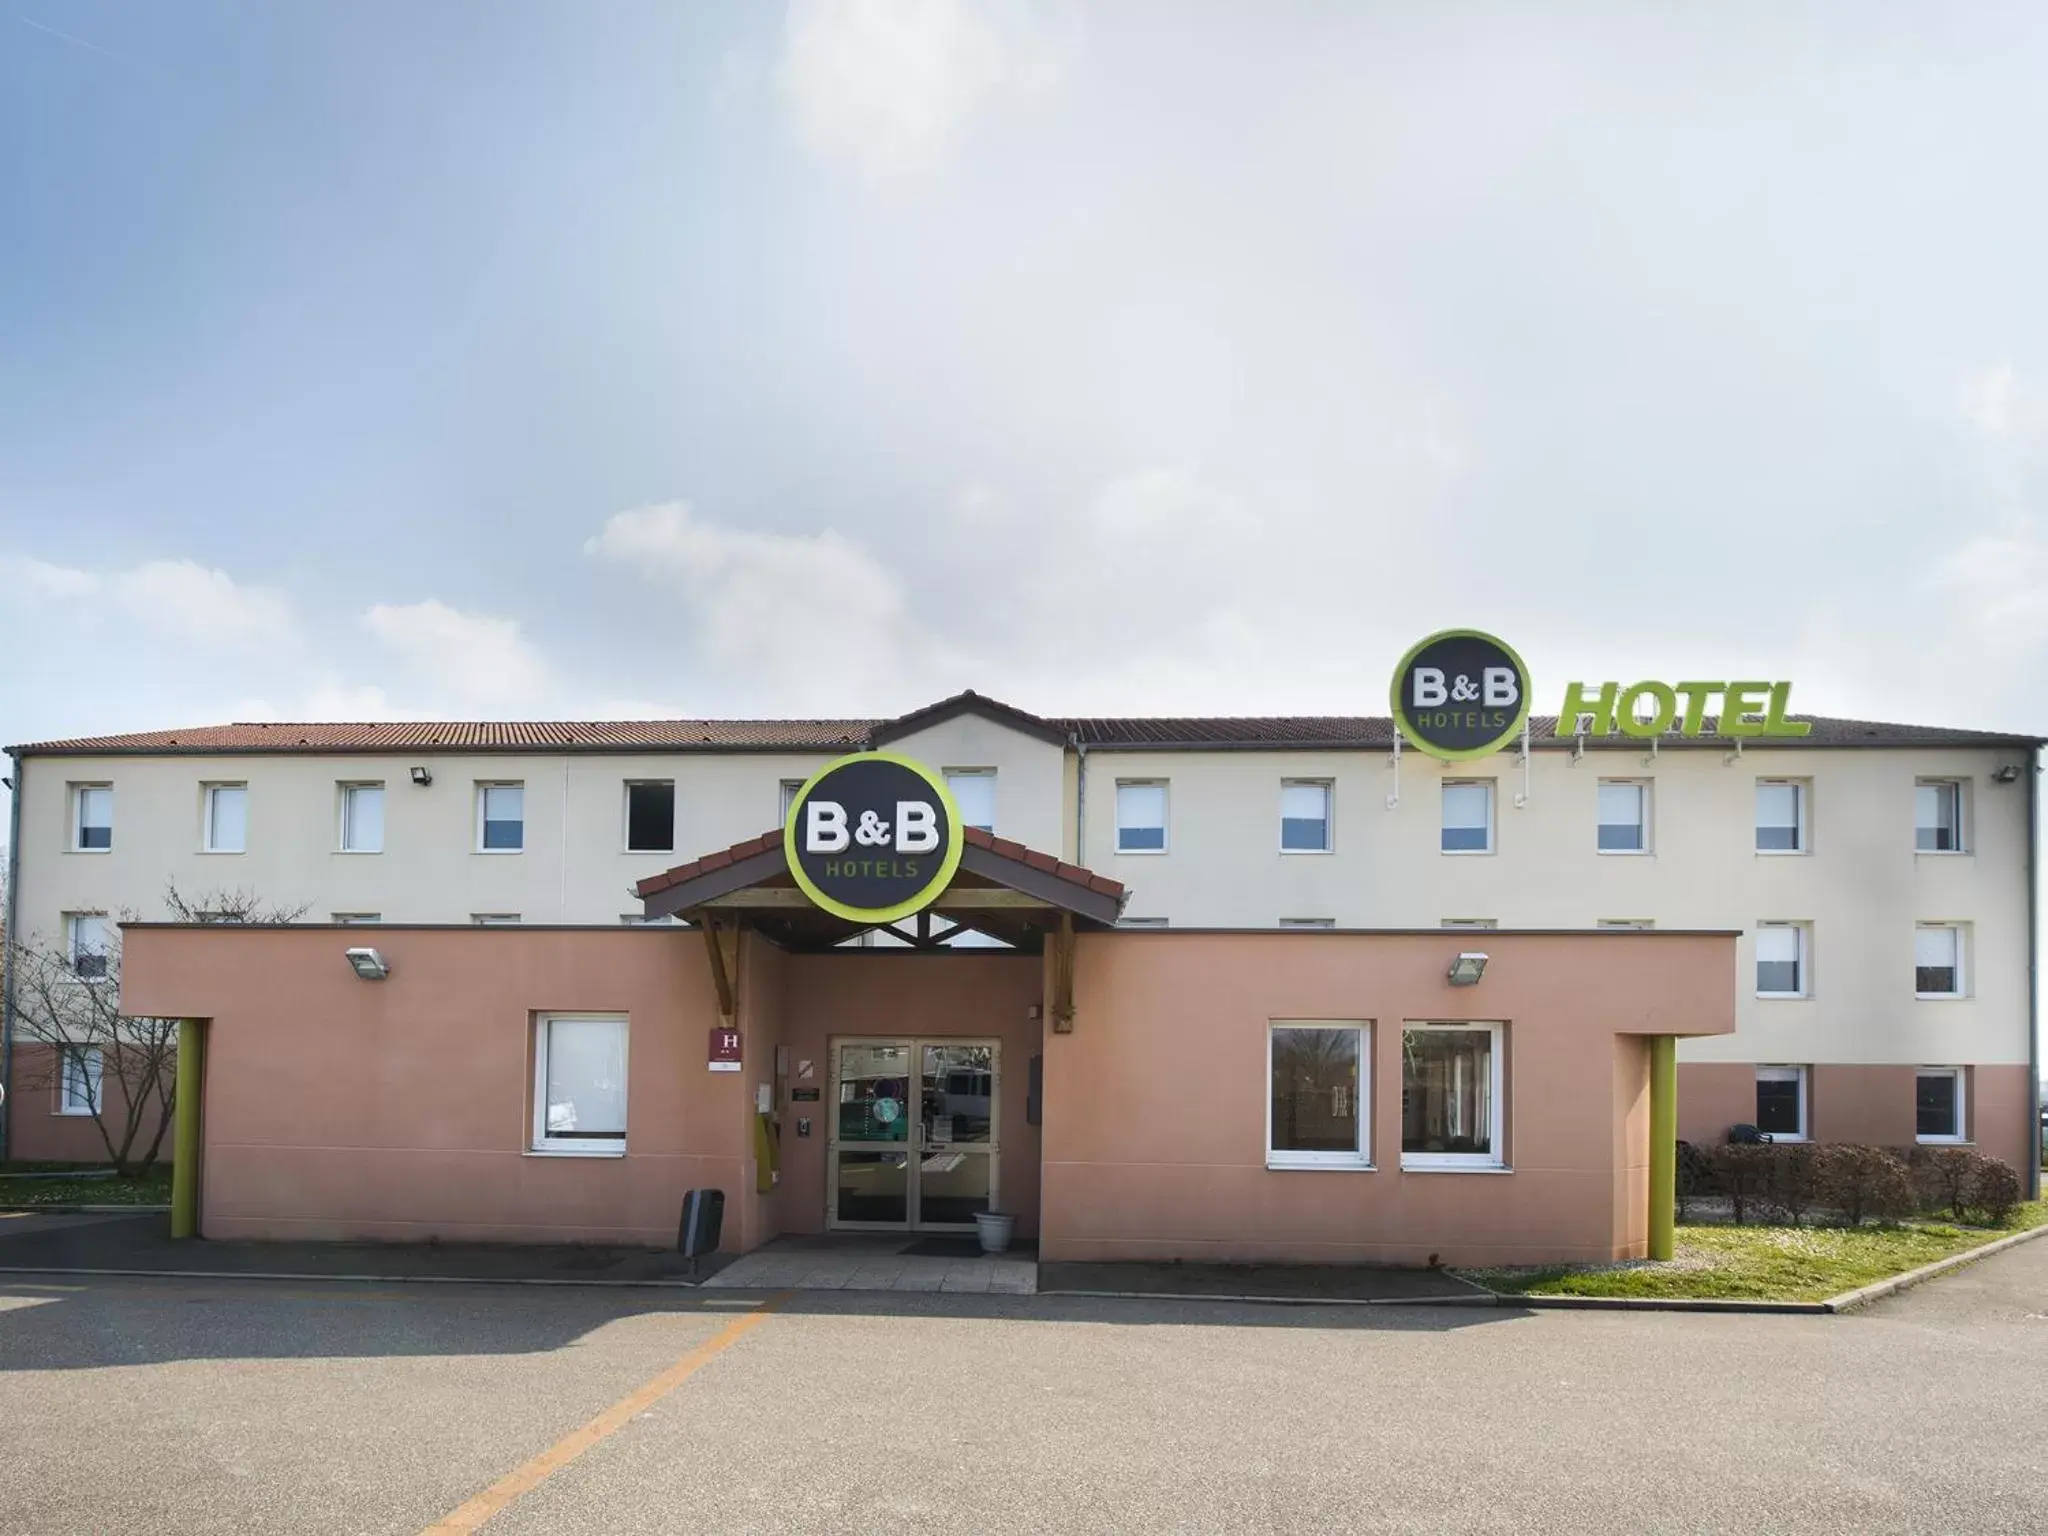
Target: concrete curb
(356,1279)
(1478,1299)
(82,1210)
(1877,1290)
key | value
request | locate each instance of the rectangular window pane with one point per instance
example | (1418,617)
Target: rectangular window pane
(1936,1106)
(504,816)
(1937,818)
(650,817)
(1447,1091)
(82,1077)
(1778,1107)
(1621,818)
(227,818)
(790,789)
(585,1078)
(1935,960)
(1468,817)
(1305,817)
(96,816)
(975,794)
(1777,817)
(1777,959)
(1315,1090)
(362,818)
(1140,817)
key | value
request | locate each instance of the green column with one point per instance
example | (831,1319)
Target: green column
(185,1142)
(1663,1144)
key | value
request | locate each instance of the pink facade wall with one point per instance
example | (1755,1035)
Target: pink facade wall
(36,1132)
(1156,1102)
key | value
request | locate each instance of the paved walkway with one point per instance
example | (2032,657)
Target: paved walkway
(845,1262)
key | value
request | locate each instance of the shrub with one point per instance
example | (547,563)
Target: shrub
(1994,1190)
(1795,1183)
(1742,1172)
(1695,1177)
(1861,1182)
(1944,1176)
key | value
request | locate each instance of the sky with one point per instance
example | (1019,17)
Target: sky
(502,359)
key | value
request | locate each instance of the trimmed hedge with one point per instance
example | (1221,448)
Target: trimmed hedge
(1794,1181)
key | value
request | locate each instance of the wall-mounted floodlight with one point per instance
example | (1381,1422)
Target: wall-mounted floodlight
(422,775)
(2007,775)
(1467,969)
(368,964)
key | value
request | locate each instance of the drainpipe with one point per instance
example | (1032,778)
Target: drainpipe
(1663,1144)
(2033,973)
(11,935)
(1080,800)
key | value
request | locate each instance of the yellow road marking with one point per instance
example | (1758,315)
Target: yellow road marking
(524,1479)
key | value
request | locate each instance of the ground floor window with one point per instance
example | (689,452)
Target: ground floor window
(1938,1104)
(78,1092)
(1320,1075)
(1781,1102)
(579,1084)
(1451,1096)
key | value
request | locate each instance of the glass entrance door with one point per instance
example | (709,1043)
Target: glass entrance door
(914,1143)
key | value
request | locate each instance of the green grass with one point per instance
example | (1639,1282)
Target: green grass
(1758,1263)
(154,1188)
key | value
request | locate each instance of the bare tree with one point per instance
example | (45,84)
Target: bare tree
(222,905)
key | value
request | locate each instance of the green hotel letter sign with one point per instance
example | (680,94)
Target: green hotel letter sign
(1747,709)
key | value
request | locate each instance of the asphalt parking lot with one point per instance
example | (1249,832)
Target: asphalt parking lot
(152,1405)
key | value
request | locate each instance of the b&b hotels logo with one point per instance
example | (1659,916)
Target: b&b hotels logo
(873,837)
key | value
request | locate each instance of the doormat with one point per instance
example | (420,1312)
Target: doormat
(944,1248)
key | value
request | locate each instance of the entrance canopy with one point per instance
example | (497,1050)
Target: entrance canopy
(1002,888)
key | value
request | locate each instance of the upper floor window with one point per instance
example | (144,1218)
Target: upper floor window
(1308,922)
(494,919)
(1141,816)
(1781,959)
(362,818)
(650,816)
(78,1092)
(500,818)
(1470,922)
(1781,816)
(1938,816)
(92,817)
(1141,922)
(357,919)
(791,788)
(1624,816)
(1781,1102)
(226,818)
(1320,1080)
(974,791)
(1304,815)
(1632,923)
(1468,816)
(1938,1105)
(1938,960)
(88,937)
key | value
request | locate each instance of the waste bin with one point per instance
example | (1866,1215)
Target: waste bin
(703,1216)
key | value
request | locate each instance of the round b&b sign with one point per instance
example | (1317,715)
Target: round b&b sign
(873,837)
(1460,694)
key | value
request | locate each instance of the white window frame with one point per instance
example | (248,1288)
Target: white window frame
(76,842)
(1643,806)
(1141,922)
(1308,922)
(1962,939)
(1962,1131)
(1329,789)
(344,791)
(209,833)
(1804,930)
(1802,806)
(576,1146)
(356,919)
(1959,793)
(1495,1161)
(1362,1158)
(481,798)
(1803,1076)
(1492,837)
(494,919)
(1165,788)
(71,922)
(1626,924)
(1472,924)
(625,817)
(950,774)
(787,791)
(91,1068)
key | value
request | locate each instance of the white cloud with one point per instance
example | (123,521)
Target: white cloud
(474,657)
(2000,585)
(2001,404)
(179,598)
(891,86)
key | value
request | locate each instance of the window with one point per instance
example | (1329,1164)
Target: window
(88,936)
(226,818)
(791,788)
(1938,960)
(1304,816)
(356,919)
(1141,922)
(92,818)
(500,818)
(1938,816)
(1780,816)
(1141,816)
(1308,922)
(1624,816)
(1781,954)
(1320,1076)
(78,1091)
(1451,1077)
(494,919)
(1626,922)
(1938,1105)
(362,818)
(1470,922)
(642,920)
(1781,1102)
(579,1085)
(974,791)
(650,816)
(1468,816)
